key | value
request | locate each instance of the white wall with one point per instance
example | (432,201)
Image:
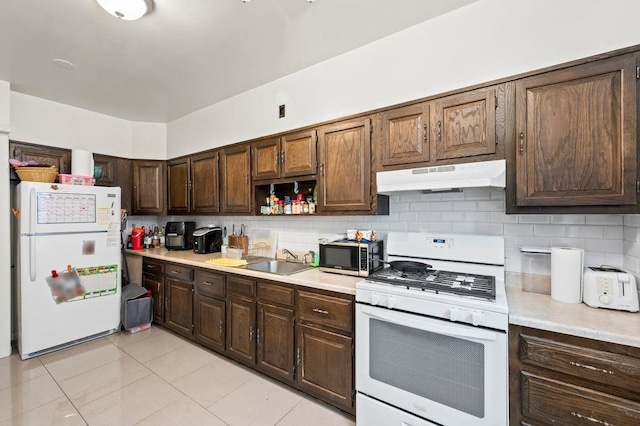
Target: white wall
(486,40)
(45,122)
(5,249)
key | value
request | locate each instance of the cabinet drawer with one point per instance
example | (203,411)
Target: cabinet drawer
(178,272)
(578,361)
(152,267)
(210,284)
(326,310)
(551,402)
(275,293)
(241,286)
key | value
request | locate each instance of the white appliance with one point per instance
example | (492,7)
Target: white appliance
(432,346)
(609,287)
(444,178)
(68,265)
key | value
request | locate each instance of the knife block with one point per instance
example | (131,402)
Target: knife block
(239,241)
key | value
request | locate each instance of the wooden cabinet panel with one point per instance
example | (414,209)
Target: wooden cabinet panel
(236,182)
(241,319)
(149,186)
(178,186)
(275,341)
(109,168)
(59,157)
(345,166)
(210,322)
(266,159)
(576,135)
(275,293)
(326,310)
(241,286)
(325,365)
(205,188)
(464,125)
(156,285)
(116,171)
(298,154)
(551,402)
(210,283)
(179,272)
(153,267)
(405,133)
(179,312)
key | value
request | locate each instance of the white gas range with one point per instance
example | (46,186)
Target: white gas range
(432,342)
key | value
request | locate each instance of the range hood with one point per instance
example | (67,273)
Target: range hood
(443,178)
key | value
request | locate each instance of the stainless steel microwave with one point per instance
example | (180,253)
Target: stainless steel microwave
(351,258)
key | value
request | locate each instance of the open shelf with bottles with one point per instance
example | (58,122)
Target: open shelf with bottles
(282,190)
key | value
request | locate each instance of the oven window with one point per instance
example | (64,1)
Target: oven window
(440,368)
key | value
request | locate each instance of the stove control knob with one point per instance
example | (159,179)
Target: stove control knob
(605,299)
(454,314)
(375,299)
(391,302)
(476,318)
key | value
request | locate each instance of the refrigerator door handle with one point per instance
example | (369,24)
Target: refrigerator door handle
(33,210)
(32,257)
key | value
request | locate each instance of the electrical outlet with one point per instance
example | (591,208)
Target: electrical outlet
(281,111)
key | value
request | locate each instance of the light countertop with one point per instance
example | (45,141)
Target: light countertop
(540,311)
(311,278)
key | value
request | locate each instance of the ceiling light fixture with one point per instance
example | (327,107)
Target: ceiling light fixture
(127,10)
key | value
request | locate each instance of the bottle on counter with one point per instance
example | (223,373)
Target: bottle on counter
(161,236)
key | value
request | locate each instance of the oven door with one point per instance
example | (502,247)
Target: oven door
(445,372)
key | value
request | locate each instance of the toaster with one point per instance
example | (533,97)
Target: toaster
(609,287)
(207,240)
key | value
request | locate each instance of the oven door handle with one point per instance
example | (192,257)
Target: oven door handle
(429,324)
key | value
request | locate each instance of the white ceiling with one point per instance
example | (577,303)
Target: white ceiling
(186,54)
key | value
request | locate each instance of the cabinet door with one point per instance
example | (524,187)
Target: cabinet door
(325,365)
(576,131)
(109,166)
(155,284)
(149,186)
(241,320)
(236,184)
(266,159)
(405,135)
(178,186)
(210,322)
(205,188)
(464,125)
(345,166)
(59,157)
(298,154)
(275,341)
(179,314)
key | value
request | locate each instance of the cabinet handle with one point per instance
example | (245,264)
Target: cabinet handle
(521,142)
(320,311)
(166,302)
(282,157)
(251,334)
(439,131)
(258,336)
(591,419)
(321,169)
(277,157)
(207,283)
(221,328)
(424,133)
(590,367)
(246,179)
(298,356)
(175,272)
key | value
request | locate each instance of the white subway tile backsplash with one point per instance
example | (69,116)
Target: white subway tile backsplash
(451,196)
(490,228)
(441,206)
(491,206)
(477,193)
(614,259)
(533,218)
(593,258)
(631,220)
(549,230)
(464,227)
(497,194)
(604,246)
(568,242)
(502,217)
(631,233)
(476,216)
(468,206)
(428,217)
(419,206)
(584,231)
(440,227)
(518,229)
(569,219)
(408,216)
(614,232)
(632,264)
(604,219)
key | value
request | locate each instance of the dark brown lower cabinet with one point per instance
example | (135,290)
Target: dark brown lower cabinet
(179,306)
(324,365)
(155,284)
(241,319)
(556,379)
(209,322)
(275,341)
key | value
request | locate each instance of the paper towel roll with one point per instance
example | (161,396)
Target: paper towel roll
(81,162)
(566,274)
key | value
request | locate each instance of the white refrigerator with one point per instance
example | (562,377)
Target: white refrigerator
(68,265)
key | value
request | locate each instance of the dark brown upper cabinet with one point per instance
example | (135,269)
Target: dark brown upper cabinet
(205,187)
(345,177)
(179,186)
(116,171)
(288,156)
(149,187)
(405,135)
(576,136)
(235,165)
(59,157)
(464,125)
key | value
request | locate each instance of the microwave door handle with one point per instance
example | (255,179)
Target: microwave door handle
(426,324)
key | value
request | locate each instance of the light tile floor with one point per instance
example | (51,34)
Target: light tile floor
(149,378)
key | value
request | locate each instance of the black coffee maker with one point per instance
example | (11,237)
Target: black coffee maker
(207,240)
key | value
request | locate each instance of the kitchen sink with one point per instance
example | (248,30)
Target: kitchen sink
(279,267)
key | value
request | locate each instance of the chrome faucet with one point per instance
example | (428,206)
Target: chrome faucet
(310,253)
(289,254)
